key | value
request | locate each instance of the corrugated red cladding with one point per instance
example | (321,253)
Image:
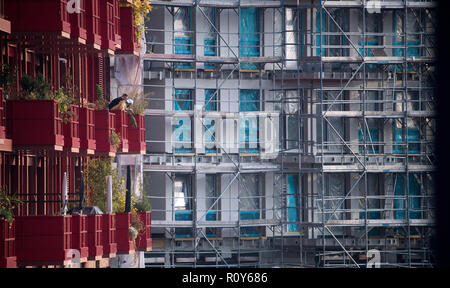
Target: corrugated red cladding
(95,236)
(104,126)
(72,129)
(123,224)
(8,257)
(144,239)
(87,128)
(136,136)
(79,235)
(27,15)
(43,239)
(35,122)
(109,235)
(121,128)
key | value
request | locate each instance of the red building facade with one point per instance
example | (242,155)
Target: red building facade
(70,50)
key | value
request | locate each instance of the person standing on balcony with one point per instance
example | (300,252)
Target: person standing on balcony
(120,103)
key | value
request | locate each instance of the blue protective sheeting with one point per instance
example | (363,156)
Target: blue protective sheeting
(413,141)
(182,134)
(183,232)
(249,36)
(249,231)
(320,26)
(414,197)
(372,147)
(249,130)
(182,99)
(210,135)
(292,203)
(211,100)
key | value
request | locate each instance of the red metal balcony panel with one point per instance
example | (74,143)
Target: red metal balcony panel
(8,257)
(87,129)
(2,115)
(129,42)
(107,27)
(35,122)
(79,235)
(136,136)
(109,235)
(121,128)
(104,126)
(124,243)
(39,16)
(94,236)
(42,240)
(78,23)
(93,23)
(72,129)
(118,37)
(144,239)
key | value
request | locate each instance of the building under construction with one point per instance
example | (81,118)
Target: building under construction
(290,133)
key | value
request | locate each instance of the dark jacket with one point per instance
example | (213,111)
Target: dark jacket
(115,102)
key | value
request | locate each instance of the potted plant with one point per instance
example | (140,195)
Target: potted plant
(143,208)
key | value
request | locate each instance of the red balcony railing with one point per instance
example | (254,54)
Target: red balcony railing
(95,236)
(136,136)
(129,41)
(26,15)
(124,243)
(87,130)
(72,129)
(78,22)
(43,240)
(2,115)
(144,238)
(121,128)
(104,127)
(93,21)
(79,236)
(8,257)
(35,122)
(107,25)
(109,235)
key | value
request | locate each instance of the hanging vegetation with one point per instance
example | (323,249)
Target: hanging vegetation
(140,10)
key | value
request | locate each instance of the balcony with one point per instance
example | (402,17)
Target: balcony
(87,130)
(5,144)
(79,236)
(78,23)
(8,257)
(50,240)
(5,25)
(93,23)
(94,234)
(129,42)
(109,235)
(43,240)
(144,238)
(105,123)
(107,27)
(124,243)
(35,123)
(121,128)
(26,16)
(136,136)
(72,130)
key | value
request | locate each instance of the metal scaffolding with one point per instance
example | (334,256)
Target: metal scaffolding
(351,86)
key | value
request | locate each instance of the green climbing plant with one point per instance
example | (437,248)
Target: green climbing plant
(7,204)
(141,8)
(95,179)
